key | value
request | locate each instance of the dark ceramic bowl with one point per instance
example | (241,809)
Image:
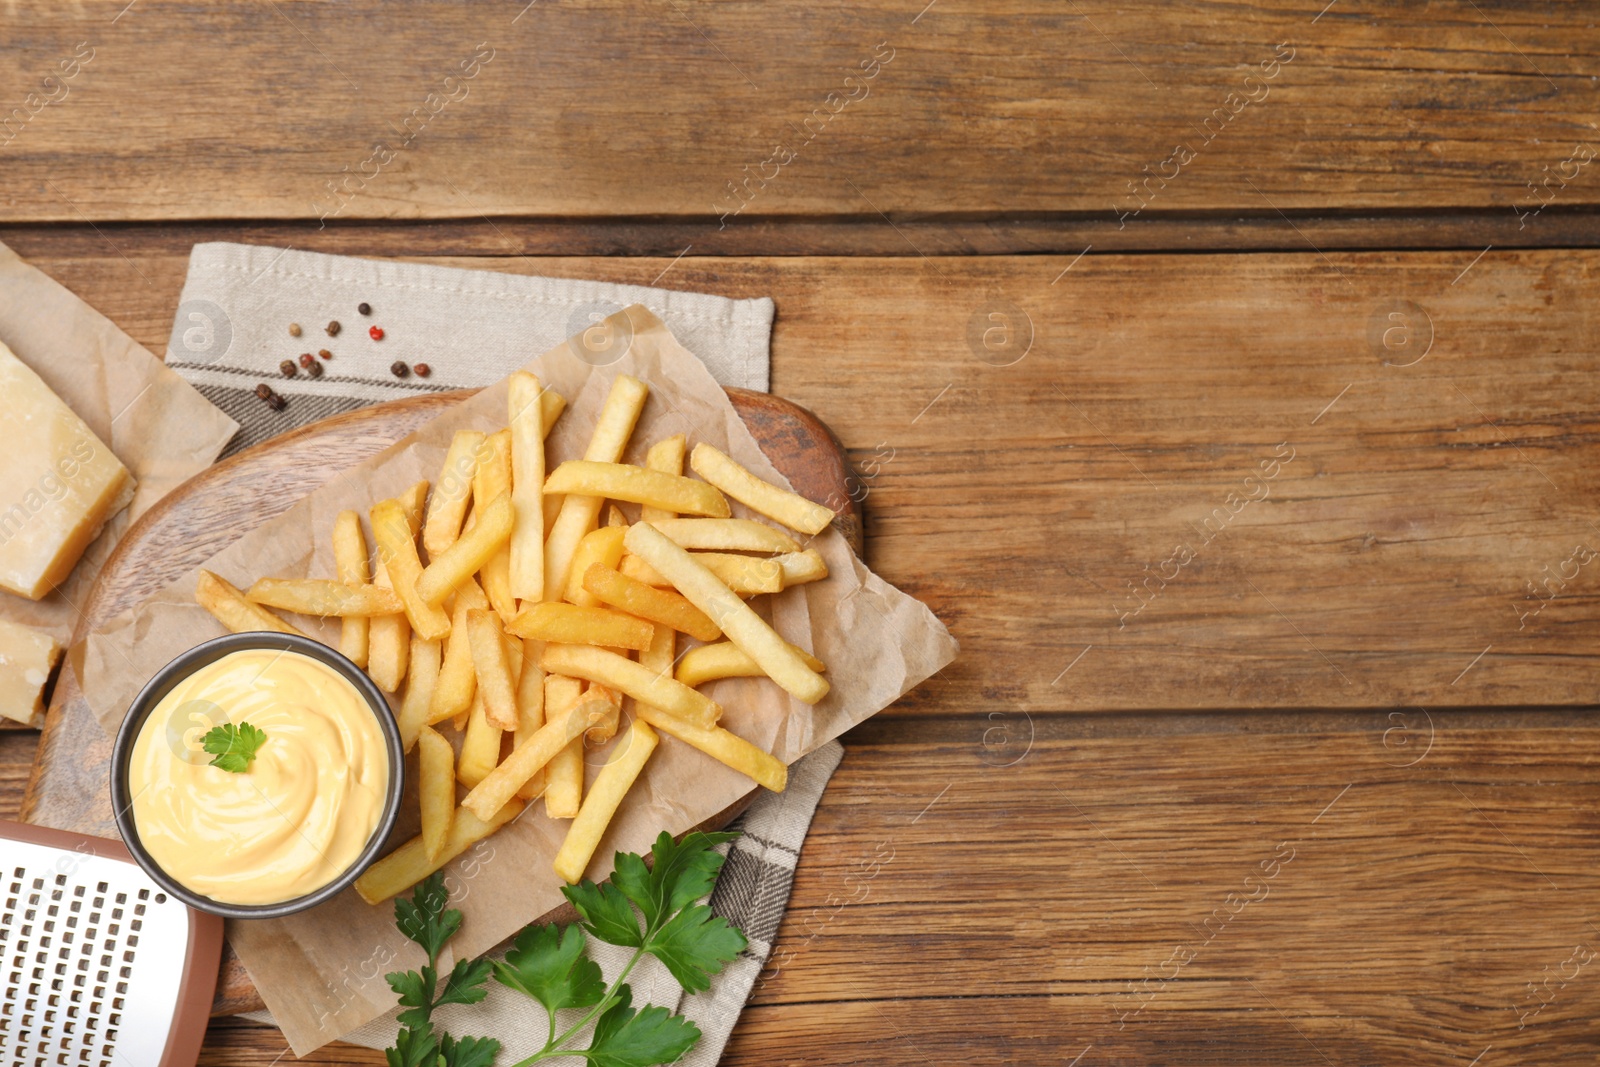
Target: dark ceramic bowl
(163,683)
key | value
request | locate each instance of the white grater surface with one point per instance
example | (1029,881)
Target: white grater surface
(92,955)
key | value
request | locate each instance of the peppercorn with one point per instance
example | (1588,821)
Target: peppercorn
(276,402)
(423,370)
(294,329)
(376,333)
(307,359)
(399,369)
(364,307)
(333,328)
(287,367)
(264,390)
(324,353)
(314,369)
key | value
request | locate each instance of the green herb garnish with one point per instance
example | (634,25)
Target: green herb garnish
(233,747)
(548,963)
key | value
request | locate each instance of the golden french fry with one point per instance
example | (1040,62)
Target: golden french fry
(647,602)
(324,597)
(562,728)
(458,679)
(635,679)
(726,535)
(447,507)
(743,626)
(493,480)
(551,405)
(666,456)
(605,728)
(745,575)
(409,864)
(495,687)
(615,517)
(422,677)
(578,513)
(757,494)
(598,546)
(801,567)
(722,745)
(397,547)
(639,485)
(471,551)
(563,782)
(727,660)
(389,636)
(610,786)
(436,773)
(527,499)
(350,562)
(530,709)
(230,607)
(569,624)
(480,748)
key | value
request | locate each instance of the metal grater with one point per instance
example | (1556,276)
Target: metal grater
(98,966)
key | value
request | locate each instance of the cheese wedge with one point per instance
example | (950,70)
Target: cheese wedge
(59,483)
(27,657)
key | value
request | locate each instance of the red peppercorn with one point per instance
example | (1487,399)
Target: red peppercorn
(422,369)
(306,359)
(324,353)
(376,333)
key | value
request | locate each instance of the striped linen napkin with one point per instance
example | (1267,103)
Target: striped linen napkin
(232,332)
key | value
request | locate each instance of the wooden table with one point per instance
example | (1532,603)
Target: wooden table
(1210,372)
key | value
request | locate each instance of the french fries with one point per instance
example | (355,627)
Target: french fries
(724,746)
(744,575)
(666,456)
(570,624)
(471,551)
(410,864)
(782,505)
(639,485)
(527,499)
(801,567)
(421,677)
(230,607)
(397,547)
(610,786)
(605,727)
(565,724)
(727,660)
(447,507)
(494,672)
(647,602)
(563,781)
(458,679)
(436,771)
(494,480)
(598,546)
(350,561)
(726,535)
(389,636)
(578,513)
(742,625)
(320,596)
(635,679)
(530,710)
(480,748)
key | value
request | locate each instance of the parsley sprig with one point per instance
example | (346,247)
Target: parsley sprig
(647,907)
(233,747)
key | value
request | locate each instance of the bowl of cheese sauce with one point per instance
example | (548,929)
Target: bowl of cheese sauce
(299,810)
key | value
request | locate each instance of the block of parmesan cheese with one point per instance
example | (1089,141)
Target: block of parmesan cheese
(26,659)
(59,483)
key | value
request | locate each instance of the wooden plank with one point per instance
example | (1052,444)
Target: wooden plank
(1388,564)
(299,110)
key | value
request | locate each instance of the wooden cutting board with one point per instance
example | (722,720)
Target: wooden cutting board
(68,787)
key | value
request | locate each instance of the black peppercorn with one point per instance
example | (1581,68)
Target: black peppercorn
(399,369)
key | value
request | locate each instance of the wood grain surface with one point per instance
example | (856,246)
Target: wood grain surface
(67,789)
(441,110)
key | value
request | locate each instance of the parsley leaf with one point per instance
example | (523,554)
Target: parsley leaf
(682,873)
(423,918)
(623,1038)
(468,1051)
(413,1048)
(416,995)
(605,912)
(548,964)
(467,984)
(233,747)
(694,944)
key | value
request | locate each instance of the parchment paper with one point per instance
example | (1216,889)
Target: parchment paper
(161,429)
(321,972)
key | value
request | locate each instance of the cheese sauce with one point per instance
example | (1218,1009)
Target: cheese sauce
(302,813)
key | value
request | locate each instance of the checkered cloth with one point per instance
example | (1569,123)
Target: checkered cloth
(472,328)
